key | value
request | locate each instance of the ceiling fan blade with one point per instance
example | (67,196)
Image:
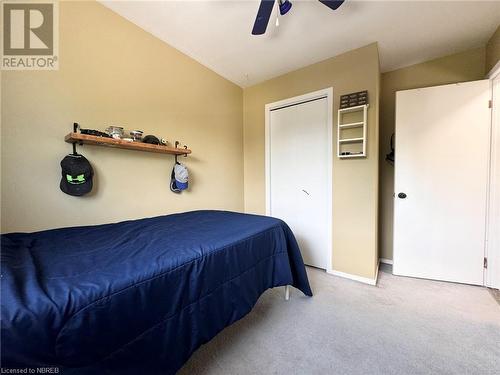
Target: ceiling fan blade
(263,15)
(332,4)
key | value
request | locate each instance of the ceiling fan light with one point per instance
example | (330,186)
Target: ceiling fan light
(285,6)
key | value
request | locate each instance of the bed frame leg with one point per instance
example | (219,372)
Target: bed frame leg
(287,292)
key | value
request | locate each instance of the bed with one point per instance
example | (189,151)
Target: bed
(138,296)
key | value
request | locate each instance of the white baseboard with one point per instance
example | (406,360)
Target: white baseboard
(386,261)
(361,279)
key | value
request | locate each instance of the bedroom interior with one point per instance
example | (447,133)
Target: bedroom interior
(167,182)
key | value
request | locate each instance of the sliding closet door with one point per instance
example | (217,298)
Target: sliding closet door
(299,186)
(441,173)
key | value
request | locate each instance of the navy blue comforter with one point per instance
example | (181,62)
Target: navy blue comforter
(138,296)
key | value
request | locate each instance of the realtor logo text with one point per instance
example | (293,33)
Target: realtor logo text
(30,35)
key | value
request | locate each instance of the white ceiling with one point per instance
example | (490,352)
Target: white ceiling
(218,33)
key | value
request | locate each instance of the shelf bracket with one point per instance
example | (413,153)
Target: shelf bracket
(177,143)
(75,130)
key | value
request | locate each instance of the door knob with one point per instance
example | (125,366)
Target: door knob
(402,195)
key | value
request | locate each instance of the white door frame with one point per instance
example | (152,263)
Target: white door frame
(492,251)
(325,93)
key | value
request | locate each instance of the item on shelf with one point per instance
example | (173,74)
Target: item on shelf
(95,133)
(164,142)
(351,153)
(127,139)
(77,175)
(136,135)
(151,139)
(115,131)
(354,99)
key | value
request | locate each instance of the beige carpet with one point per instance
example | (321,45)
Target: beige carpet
(402,326)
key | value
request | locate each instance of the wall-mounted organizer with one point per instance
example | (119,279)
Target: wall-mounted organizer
(352,131)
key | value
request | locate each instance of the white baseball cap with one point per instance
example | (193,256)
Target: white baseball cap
(179,178)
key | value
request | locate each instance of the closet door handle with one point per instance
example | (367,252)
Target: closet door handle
(402,195)
(305,192)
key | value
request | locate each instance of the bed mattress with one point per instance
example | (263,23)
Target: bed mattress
(138,296)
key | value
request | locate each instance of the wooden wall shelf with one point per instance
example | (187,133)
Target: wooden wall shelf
(118,143)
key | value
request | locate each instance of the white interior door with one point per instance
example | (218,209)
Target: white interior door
(298,137)
(442,153)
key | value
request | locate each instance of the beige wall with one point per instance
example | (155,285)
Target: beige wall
(493,50)
(112,72)
(355,181)
(460,67)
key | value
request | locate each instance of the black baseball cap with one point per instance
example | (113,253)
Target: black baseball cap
(77,175)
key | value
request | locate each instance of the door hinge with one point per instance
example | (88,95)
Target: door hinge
(490,104)
(485,262)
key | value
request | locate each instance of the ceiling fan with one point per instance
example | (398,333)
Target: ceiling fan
(266,7)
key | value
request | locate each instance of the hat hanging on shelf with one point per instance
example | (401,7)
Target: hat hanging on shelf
(77,174)
(179,178)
